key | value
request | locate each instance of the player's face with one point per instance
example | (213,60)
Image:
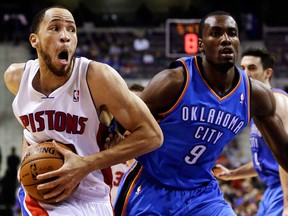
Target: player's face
(253,67)
(57,40)
(220,41)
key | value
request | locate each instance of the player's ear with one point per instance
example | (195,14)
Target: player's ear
(33,38)
(269,73)
(200,45)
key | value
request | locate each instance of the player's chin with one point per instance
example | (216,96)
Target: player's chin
(226,64)
(63,63)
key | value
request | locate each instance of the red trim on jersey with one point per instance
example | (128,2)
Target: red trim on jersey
(33,206)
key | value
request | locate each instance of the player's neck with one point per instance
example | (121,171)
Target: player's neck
(220,82)
(46,83)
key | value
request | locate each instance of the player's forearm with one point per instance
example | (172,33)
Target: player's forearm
(25,146)
(137,143)
(245,171)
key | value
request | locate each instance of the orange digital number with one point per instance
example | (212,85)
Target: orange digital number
(191,43)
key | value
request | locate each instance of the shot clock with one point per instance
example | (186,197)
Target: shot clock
(181,37)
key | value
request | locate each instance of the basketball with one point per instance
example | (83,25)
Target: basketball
(41,158)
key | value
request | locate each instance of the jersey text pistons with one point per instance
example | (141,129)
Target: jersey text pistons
(54,120)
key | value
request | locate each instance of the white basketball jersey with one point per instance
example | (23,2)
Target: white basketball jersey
(68,115)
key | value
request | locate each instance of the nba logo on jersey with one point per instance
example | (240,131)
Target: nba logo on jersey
(242,98)
(76,95)
(139,190)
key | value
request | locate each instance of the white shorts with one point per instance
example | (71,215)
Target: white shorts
(77,207)
(73,206)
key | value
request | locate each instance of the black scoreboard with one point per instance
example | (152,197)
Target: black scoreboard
(181,37)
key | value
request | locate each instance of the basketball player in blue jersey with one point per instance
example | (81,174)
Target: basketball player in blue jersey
(58,97)
(259,65)
(201,104)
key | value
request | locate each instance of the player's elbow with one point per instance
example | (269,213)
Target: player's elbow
(156,139)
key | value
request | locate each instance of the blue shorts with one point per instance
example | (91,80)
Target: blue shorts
(140,194)
(272,202)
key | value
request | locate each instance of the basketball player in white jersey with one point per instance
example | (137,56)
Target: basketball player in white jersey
(58,97)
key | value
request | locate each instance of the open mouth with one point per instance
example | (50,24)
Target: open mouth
(63,56)
(226,51)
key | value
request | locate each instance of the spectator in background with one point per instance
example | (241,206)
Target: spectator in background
(9,183)
(259,65)
(148,58)
(141,43)
(115,48)
(13,161)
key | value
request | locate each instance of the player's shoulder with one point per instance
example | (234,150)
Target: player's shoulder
(15,68)
(13,75)
(280,93)
(171,76)
(281,100)
(263,100)
(96,67)
(259,87)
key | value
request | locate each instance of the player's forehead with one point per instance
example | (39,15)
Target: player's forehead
(58,14)
(221,21)
(250,60)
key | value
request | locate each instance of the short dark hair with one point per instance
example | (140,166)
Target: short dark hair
(39,17)
(202,22)
(267,60)
(136,87)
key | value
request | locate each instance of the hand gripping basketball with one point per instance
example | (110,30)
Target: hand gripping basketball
(40,159)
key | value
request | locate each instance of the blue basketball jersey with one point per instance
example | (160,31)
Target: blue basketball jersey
(263,159)
(196,129)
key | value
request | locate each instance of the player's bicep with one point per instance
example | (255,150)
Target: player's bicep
(110,90)
(128,109)
(132,114)
(281,108)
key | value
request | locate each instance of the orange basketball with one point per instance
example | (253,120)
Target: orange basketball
(41,158)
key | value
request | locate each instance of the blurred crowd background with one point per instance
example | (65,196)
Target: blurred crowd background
(130,36)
